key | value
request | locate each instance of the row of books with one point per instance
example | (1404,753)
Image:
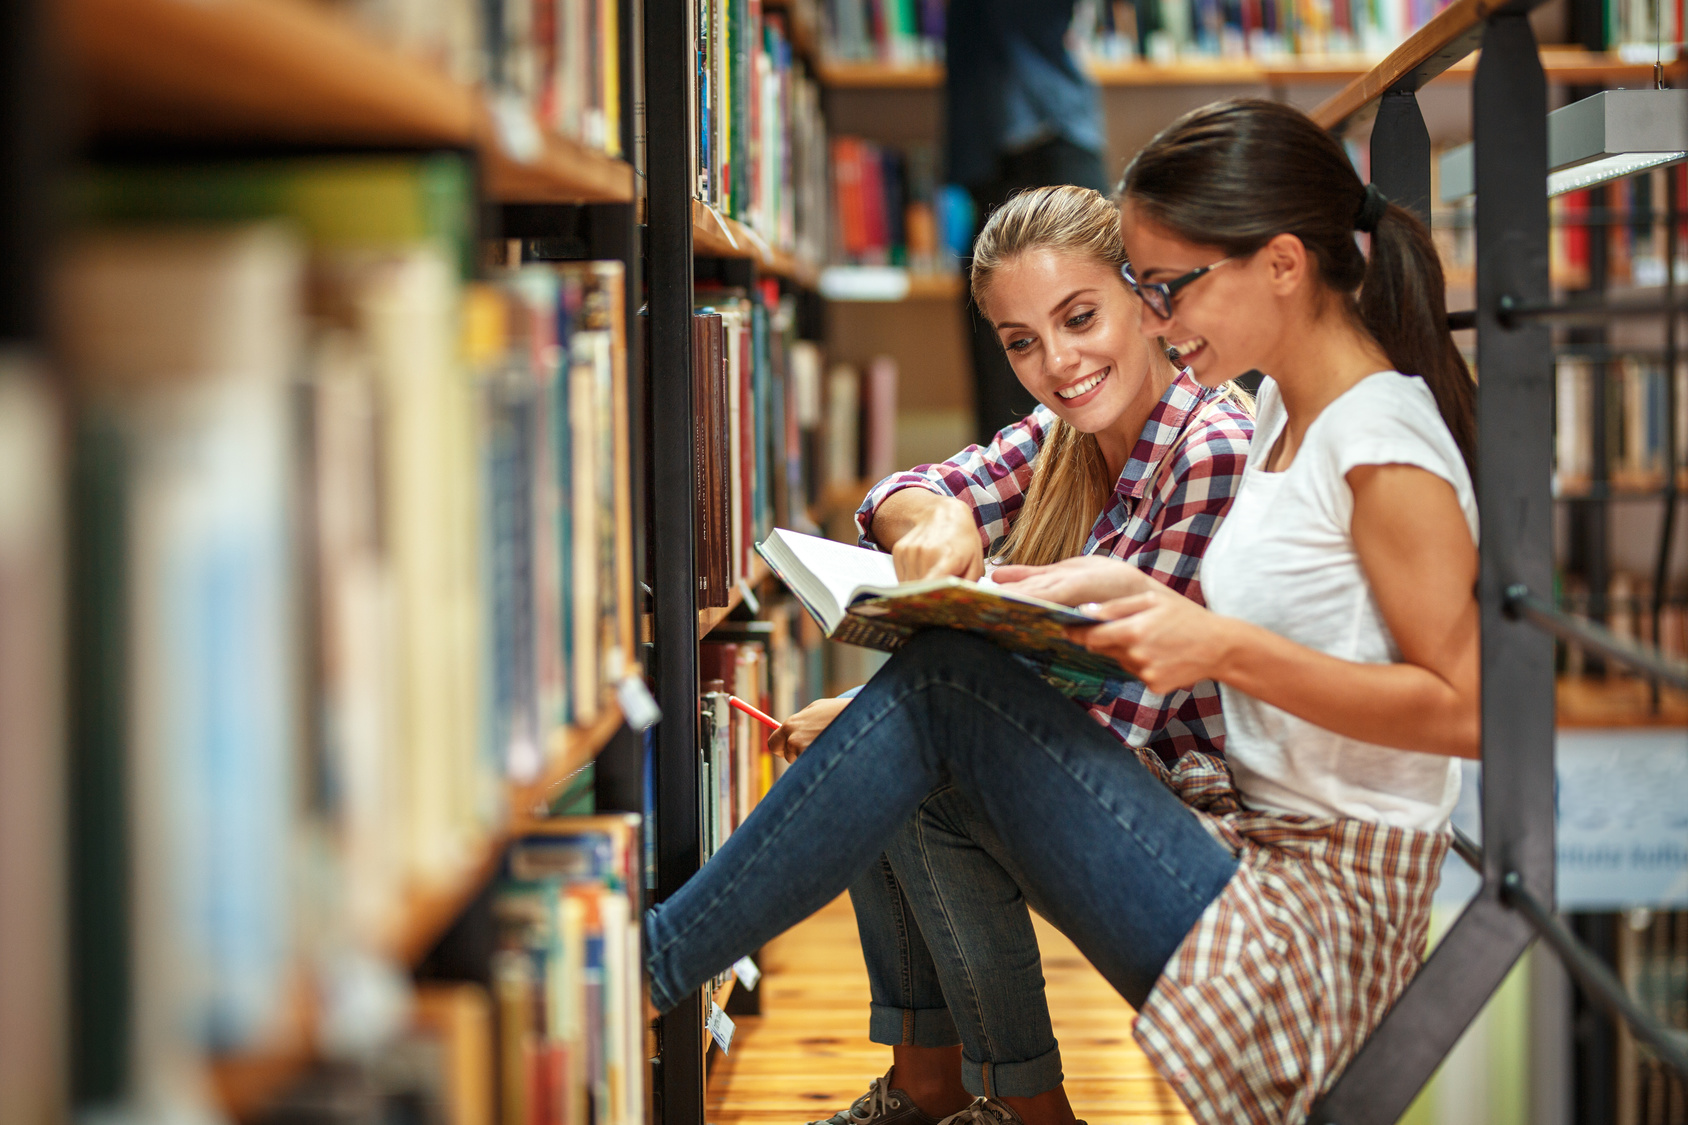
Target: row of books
(541,1024)
(861,422)
(1635,400)
(1629,614)
(1637,28)
(756,397)
(1627,218)
(890,209)
(759,151)
(737,768)
(1168,30)
(774,663)
(567,976)
(912,31)
(550,63)
(352,553)
(888,31)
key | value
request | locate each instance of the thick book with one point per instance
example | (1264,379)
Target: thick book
(854,595)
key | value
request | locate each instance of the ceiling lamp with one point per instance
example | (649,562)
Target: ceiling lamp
(1613,134)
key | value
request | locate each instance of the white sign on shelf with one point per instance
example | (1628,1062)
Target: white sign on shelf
(1622,831)
(720,1026)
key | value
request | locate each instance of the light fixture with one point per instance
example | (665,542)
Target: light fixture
(1613,134)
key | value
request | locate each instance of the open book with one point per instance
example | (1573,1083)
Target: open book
(855,596)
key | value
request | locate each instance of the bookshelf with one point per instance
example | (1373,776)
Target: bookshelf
(716,236)
(286,116)
(1570,66)
(291,71)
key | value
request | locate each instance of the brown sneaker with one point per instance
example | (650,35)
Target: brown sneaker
(987,1111)
(881,1105)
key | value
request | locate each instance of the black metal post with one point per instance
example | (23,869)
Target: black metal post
(668,59)
(1400,152)
(1667,521)
(1509,108)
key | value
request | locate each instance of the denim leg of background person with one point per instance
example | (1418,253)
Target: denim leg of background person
(1119,862)
(908,1007)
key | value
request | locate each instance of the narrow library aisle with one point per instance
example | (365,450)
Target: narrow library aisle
(808,1054)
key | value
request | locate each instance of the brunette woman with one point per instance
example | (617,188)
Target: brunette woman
(1261,917)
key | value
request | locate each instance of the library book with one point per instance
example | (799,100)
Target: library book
(854,595)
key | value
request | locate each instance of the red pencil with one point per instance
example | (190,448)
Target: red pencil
(740,705)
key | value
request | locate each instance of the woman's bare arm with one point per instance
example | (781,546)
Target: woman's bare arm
(929,535)
(1419,558)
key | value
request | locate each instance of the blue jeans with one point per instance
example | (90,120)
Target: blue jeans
(1111,856)
(948,886)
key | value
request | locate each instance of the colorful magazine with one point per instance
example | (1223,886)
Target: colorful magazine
(854,595)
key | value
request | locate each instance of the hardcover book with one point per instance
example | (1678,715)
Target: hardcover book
(854,595)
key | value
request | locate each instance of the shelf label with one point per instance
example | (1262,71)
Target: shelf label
(720,1026)
(747,973)
(637,706)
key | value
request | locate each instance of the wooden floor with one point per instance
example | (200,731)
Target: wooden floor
(807,1056)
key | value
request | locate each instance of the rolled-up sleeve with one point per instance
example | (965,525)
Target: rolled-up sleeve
(991,480)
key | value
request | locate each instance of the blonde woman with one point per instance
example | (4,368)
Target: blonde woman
(1126,456)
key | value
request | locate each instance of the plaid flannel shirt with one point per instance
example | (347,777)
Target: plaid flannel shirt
(1174,490)
(1272,992)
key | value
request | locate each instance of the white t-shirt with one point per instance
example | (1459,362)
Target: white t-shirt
(1284,559)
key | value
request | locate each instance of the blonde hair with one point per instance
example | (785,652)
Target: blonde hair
(1070,483)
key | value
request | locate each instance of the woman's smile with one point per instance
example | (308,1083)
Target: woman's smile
(1186,352)
(1080,391)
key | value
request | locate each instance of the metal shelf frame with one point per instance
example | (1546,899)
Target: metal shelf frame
(1514,474)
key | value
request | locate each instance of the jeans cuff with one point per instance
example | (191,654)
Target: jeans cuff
(1013,1080)
(911,1027)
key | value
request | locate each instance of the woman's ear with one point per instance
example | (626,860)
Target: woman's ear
(1287,265)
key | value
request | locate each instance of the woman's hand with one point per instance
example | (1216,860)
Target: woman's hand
(1163,638)
(797,732)
(945,542)
(1075,581)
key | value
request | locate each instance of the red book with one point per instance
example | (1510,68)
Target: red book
(1574,234)
(878,233)
(847,181)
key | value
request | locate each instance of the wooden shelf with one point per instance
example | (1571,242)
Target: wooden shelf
(935,287)
(566,171)
(1584,701)
(707,619)
(716,236)
(1565,65)
(294,72)
(430,910)
(245,1083)
(838,75)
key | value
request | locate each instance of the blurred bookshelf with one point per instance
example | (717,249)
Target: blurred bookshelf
(1571,66)
(290,71)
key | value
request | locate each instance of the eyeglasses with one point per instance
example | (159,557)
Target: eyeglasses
(1158,295)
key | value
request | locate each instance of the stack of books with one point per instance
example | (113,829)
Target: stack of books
(889,209)
(759,151)
(1636,398)
(567,977)
(757,419)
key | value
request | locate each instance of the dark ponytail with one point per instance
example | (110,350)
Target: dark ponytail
(1238,173)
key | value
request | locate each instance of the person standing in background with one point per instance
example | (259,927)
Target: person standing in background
(1021,114)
